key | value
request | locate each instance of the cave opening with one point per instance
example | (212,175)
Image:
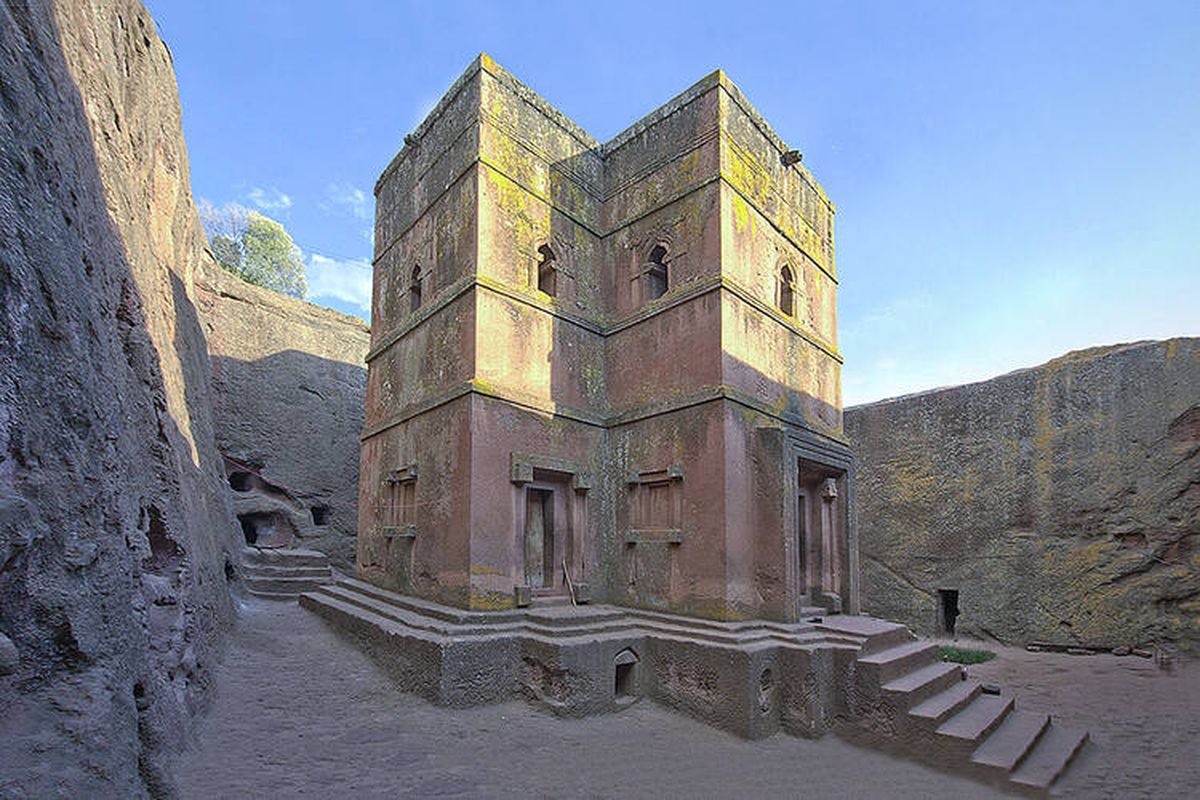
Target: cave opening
(947,610)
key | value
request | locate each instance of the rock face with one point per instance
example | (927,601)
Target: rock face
(289,381)
(1060,503)
(116,531)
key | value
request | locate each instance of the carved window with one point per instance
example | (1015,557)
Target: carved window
(787,291)
(655,276)
(415,288)
(656,501)
(547,271)
(399,507)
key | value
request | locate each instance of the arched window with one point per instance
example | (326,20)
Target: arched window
(787,291)
(547,273)
(414,289)
(655,276)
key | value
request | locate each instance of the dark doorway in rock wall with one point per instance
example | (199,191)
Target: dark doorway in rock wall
(625,675)
(267,529)
(947,610)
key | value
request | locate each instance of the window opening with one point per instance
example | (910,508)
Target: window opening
(787,291)
(547,275)
(656,275)
(414,289)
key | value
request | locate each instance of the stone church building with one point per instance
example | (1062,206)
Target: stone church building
(605,371)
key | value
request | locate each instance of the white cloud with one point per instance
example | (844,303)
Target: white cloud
(347,281)
(349,198)
(270,199)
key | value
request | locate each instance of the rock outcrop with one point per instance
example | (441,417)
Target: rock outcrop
(289,382)
(1061,503)
(117,535)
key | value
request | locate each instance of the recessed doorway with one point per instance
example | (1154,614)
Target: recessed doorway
(947,610)
(540,538)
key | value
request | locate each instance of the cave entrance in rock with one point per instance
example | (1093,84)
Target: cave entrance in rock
(947,610)
(267,529)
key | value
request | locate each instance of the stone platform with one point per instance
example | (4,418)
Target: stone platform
(283,573)
(870,679)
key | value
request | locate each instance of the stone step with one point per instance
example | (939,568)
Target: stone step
(1050,758)
(418,606)
(1009,743)
(557,622)
(356,618)
(875,635)
(285,596)
(896,661)
(403,616)
(982,716)
(549,601)
(941,707)
(280,584)
(286,571)
(923,683)
(293,557)
(582,620)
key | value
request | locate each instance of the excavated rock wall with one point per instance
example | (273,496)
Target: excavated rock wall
(1061,502)
(116,529)
(289,381)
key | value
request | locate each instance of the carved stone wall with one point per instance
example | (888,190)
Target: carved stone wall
(289,381)
(608,305)
(1061,503)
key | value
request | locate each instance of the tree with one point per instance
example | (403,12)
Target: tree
(256,248)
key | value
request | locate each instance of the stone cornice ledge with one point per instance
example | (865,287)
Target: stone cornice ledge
(543,405)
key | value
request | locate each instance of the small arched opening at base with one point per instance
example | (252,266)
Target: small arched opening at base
(625,683)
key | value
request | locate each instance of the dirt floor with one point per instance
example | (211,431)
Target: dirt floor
(299,712)
(1144,721)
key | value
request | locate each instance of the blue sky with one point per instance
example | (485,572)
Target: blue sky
(1013,180)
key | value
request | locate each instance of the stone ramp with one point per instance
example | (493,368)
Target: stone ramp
(908,700)
(870,678)
(284,574)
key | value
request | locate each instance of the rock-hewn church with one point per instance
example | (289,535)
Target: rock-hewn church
(605,371)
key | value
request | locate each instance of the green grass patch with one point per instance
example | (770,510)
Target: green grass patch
(961,655)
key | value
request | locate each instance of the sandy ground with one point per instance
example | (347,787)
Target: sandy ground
(1144,722)
(299,712)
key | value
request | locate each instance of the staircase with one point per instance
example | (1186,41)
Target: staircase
(904,698)
(283,574)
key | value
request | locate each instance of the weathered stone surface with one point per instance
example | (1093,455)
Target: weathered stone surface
(288,381)
(586,362)
(115,528)
(10,658)
(1062,502)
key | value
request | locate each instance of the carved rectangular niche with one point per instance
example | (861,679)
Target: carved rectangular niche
(399,510)
(656,506)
